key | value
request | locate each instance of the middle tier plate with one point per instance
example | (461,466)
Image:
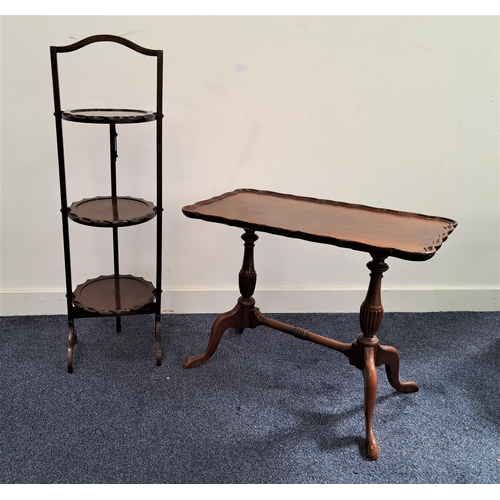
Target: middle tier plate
(111,211)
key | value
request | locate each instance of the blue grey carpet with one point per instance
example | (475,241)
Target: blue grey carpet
(266,408)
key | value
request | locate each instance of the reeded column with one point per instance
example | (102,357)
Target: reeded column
(248,276)
(371,311)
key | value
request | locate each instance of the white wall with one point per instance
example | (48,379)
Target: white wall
(395,112)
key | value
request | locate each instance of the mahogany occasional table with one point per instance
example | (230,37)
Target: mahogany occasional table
(380,232)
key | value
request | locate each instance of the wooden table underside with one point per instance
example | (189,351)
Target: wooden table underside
(380,232)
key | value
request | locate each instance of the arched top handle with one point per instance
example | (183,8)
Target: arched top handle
(105,38)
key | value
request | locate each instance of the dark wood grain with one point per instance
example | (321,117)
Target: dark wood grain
(107,115)
(114,295)
(405,235)
(111,211)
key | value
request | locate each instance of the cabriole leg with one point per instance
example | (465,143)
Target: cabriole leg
(389,356)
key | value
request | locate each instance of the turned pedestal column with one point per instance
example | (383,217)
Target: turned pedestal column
(366,353)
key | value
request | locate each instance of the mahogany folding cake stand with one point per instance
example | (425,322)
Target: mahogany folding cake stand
(115,294)
(380,232)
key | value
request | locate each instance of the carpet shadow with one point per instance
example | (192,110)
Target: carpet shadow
(483,384)
(321,427)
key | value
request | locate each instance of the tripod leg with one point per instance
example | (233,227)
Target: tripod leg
(389,356)
(370,386)
(221,324)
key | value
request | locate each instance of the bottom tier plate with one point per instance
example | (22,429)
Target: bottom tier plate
(112,295)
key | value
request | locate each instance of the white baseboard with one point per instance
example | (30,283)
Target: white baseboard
(276,300)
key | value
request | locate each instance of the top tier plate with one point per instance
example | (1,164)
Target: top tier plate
(108,115)
(378,231)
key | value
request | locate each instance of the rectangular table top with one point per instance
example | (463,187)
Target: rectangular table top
(377,231)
